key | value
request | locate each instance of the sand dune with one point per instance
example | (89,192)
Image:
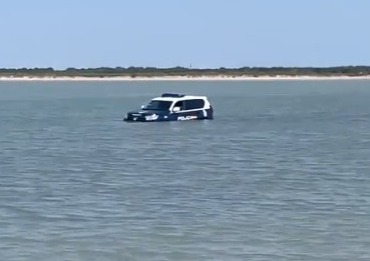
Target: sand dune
(186,78)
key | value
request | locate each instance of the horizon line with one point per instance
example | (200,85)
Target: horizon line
(183,67)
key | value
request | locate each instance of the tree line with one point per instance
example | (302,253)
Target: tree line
(182,71)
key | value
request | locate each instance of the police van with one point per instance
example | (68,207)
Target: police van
(173,107)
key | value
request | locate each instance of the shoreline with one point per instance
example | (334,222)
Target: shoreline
(183,78)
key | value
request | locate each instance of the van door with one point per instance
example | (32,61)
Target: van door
(191,109)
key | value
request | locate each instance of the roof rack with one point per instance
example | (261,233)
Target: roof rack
(172,95)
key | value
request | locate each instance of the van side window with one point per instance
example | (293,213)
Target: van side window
(180,104)
(194,104)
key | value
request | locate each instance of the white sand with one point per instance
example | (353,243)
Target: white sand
(185,78)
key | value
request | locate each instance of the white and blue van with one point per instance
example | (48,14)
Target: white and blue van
(173,107)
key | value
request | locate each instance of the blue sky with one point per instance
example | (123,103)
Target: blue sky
(200,33)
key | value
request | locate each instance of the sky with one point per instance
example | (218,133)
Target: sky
(189,33)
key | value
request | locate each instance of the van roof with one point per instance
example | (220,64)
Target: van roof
(176,97)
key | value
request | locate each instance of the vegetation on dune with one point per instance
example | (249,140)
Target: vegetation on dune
(190,72)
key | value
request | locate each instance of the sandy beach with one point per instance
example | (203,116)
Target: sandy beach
(186,78)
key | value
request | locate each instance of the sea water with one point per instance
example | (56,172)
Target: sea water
(281,173)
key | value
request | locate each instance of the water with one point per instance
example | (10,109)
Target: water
(282,173)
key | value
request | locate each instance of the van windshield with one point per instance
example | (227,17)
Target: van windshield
(158,106)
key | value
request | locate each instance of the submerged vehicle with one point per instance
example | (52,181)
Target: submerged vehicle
(173,107)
